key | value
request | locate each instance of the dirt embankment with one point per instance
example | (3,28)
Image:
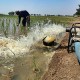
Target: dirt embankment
(64,65)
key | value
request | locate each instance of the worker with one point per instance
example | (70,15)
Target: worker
(26,19)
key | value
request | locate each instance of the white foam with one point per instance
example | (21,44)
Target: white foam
(10,47)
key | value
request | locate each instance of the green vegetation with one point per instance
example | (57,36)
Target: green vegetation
(45,19)
(53,19)
(77,11)
(9,22)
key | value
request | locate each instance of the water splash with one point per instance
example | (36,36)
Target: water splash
(17,57)
(37,33)
(11,47)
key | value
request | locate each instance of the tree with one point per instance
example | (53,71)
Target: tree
(78,11)
(11,13)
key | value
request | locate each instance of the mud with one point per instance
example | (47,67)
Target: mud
(64,65)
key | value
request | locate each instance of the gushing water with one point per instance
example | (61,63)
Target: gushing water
(21,46)
(30,66)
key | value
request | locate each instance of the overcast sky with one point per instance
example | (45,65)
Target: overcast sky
(54,7)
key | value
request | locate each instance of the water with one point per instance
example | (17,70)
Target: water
(26,58)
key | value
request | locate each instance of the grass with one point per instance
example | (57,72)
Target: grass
(53,19)
(34,20)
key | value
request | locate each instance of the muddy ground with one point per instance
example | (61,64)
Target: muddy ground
(64,65)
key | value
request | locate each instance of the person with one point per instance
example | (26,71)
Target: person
(26,19)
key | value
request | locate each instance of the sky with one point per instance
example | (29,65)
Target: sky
(53,7)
